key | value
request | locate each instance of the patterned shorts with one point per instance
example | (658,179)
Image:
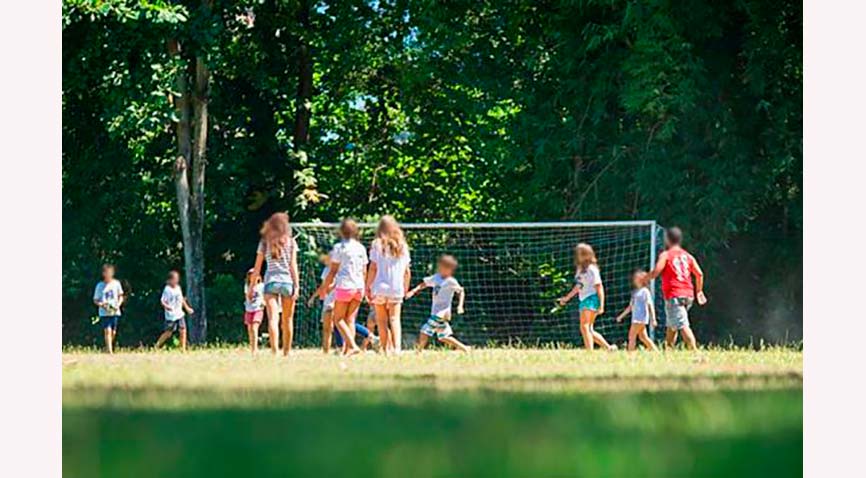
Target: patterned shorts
(437,327)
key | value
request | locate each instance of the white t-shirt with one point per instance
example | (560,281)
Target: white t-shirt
(110,294)
(352,258)
(389,271)
(173,296)
(587,279)
(443,294)
(257,302)
(328,303)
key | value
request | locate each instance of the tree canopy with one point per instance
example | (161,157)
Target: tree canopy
(686,112)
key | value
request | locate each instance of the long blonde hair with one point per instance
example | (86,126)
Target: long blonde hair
(276,233)
(390,236)
(585,250)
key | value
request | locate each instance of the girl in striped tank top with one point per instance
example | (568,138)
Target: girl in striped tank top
(279,252)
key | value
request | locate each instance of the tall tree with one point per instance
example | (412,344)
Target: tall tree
(191,130)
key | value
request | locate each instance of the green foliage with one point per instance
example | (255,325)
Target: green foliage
(685,112)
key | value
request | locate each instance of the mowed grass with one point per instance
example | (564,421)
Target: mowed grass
(494,412)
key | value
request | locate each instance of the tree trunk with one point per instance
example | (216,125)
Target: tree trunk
(305,80)
(191,106)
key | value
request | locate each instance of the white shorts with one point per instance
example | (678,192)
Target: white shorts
(385,300)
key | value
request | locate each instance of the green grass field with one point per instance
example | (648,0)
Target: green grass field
(498,412)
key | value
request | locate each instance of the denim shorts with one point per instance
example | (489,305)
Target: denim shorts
(109,321)
(284,289)
(174,325)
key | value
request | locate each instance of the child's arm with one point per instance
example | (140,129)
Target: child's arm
(599,288)
(699,281)
(260,258)
(187,307)
(652,312)
(573,292)
(623,313)
(416,289)
(325,287)
(165,304)
(407,278)
(296,290)
(460,301)
(371,276)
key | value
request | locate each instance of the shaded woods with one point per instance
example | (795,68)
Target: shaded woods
(185,124)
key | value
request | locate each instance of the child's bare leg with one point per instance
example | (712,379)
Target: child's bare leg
(670,337)
(288,324)
(689,338)
(645,339)
(273,309)
(108,335)
(250,337)
(382,325)
(454,343)
(586,331)
(163,337)
(183,338)
(422,342)
(633,332)
(396,328)
(341,313)
(327,330)
(599,339)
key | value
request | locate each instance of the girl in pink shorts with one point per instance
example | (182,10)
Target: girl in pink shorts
(254,307)
(348,275)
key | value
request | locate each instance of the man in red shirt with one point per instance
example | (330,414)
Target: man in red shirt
(676,266)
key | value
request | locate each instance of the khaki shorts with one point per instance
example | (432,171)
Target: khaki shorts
(677,312)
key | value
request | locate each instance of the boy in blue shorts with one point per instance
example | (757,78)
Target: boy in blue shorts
(108,296)
(444,287)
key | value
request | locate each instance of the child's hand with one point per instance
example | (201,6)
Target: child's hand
(654,323)
(460,310)
(619,319)
(410,294)
(600,310)
(702,299)
(562,301)
(311,301)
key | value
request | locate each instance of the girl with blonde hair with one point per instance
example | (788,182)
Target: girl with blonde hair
(590,290)
(279,251)
(388,281)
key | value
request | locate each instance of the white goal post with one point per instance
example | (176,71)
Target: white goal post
(512,272)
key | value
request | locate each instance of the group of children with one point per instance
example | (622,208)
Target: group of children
(382,278)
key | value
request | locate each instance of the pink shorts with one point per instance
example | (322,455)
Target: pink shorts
(251,318)
(347,295)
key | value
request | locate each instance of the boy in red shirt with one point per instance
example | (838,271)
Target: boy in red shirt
(676,266)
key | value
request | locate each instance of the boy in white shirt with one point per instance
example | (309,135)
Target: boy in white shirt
(108,296)
(444,287)
(175,304)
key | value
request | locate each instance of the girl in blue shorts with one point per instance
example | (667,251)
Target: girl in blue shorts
(590,290)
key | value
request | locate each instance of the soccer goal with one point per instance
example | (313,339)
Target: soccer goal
(512,272)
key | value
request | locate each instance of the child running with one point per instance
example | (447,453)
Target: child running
(642,310)
(279,251)
(677,266)
(347,274)
(174,304)
(590,290)
(108,296)
(254,304)
(326,316)
(444,287)
(388,281)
